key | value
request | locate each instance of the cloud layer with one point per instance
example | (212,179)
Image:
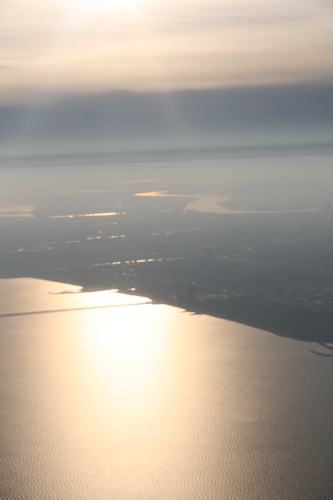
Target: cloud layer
(116,121)
(58,46)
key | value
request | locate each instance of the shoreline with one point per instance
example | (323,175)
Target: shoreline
(213,204)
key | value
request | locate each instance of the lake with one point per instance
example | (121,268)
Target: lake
(105,395)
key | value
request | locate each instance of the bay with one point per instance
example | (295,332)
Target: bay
(148,401)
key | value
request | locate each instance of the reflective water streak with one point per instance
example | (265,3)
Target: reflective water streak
(72,216)
(213,204)
(17,211)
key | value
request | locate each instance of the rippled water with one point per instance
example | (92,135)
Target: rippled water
(147,401)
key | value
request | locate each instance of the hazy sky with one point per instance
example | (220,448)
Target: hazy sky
(49,46)
(99,75)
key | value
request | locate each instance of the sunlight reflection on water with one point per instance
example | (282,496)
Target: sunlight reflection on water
(147,401)
(126,353)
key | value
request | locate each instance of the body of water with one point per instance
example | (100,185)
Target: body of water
(108,396)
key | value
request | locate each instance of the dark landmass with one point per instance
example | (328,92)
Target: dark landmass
(269,271)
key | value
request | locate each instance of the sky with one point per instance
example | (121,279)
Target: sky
(94,46)
(100,74)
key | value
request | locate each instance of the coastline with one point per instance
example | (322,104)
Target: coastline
(213,204)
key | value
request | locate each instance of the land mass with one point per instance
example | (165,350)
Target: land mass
(268,269)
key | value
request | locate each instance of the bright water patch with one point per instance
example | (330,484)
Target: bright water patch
(148,401)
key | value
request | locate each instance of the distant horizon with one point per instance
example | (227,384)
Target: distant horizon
(113,122)
(171,154)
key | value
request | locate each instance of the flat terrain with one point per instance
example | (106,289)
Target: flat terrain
(265,260)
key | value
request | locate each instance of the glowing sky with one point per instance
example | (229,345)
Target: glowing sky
(144,45)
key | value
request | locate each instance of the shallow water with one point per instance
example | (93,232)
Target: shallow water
(146,401)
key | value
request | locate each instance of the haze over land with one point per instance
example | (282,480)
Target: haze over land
(254,234)
(156,91)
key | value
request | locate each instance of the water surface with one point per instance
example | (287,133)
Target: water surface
(146,401)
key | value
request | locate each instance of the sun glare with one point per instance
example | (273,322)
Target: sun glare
(125,348)
(103,6)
